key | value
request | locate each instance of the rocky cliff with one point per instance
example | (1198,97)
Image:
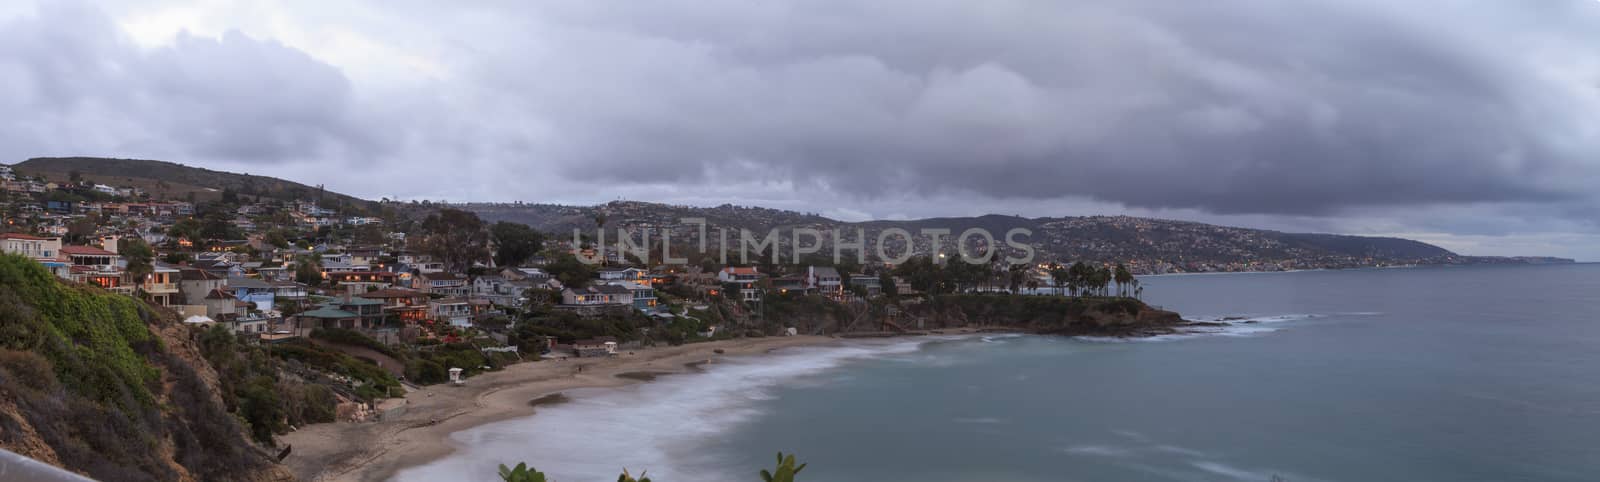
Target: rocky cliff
(1047,314)
(112,388)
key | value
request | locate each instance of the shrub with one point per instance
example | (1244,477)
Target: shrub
(353,338)
(28,368)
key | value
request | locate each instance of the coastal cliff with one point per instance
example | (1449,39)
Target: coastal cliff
(1055,315)
(111,387)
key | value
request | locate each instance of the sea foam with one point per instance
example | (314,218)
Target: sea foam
(652,426)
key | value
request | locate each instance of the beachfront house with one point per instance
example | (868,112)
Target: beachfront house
(455,311)
(644,297)
(741,282)
(825,280)
(409,306)
(597,295)
(871,284)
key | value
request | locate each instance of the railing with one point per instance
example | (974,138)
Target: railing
(18,468)
(161,287)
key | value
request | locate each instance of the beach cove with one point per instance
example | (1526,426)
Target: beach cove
(375,451)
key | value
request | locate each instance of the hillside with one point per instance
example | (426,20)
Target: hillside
(1152,245)
(173,181)
(109,387)
(1148,245)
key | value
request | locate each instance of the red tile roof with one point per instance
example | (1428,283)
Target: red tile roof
(85,251)
(28,237)
(392,293)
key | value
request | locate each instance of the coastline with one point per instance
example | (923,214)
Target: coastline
(376,451)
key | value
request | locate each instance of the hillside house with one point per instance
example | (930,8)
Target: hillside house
(442,283)
(644,297)
(744,279)
(38,248)
(598,295)
(409,306)
(252,290)
(825,280)
(637,275)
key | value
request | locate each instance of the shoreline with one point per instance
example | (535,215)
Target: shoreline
(376,451)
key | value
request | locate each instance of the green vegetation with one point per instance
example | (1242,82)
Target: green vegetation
(514,243)
(95,341)
(569,271)
(784,472)
(354,338)
(455,237)
(522,473)
(367,380)
(567,326)
(430,364)
(90,378)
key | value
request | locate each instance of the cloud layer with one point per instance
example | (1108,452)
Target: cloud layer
(1434,116)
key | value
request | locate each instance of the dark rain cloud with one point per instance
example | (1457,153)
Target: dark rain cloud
(1231,106)
(1228,107)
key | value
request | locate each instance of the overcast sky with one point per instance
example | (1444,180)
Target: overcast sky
(1474,124)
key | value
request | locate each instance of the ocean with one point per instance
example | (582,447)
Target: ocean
(1487,373)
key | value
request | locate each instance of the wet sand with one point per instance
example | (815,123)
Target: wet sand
(375,451)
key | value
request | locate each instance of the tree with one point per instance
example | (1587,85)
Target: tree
(139,256)
(1124,279)
(1016,274)
(569,271)
(521,473)
(785,471)
(1062,278)
(80,230)
(514,243)
(277,239)
(307,272)
(75,176)
(217,225)
(186,228)
(455,237)
(887,283)
(369,234)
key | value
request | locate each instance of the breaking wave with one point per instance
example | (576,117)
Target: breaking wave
(653,426)
(1230,326)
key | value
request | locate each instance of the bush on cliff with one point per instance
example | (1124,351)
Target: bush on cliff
(83,375)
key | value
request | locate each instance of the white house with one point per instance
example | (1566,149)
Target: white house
(825,280)
(745,277)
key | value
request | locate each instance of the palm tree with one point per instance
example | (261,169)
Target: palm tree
(1061,277)
(1124,279)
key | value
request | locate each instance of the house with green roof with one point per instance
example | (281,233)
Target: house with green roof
(324,317)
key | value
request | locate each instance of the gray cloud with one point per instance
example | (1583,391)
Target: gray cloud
(1239,107)
(74,85)
(1437,116)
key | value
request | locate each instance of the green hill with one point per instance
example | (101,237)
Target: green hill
(110,387)
(173,181)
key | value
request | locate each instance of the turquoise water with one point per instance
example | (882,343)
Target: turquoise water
(1448,374)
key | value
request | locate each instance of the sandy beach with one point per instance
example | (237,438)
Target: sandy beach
(375,451)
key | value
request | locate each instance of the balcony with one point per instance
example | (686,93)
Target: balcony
(160,288)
